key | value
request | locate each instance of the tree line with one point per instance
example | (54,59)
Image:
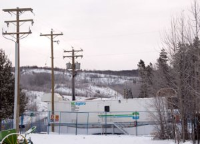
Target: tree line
(178,70)
(133,73)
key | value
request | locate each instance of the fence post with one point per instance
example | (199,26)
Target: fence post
(76,121)
(22,119)
(12,124)
(87,121)
(136,126)
(48,123)
(39,121)
(105,123)
(31,121)
(59,122)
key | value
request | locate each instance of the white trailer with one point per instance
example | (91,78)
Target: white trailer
(98,113)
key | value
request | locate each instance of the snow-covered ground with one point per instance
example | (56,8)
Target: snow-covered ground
(31,71)
(35,99)
(95,139)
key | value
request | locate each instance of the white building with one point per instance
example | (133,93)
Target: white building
(102,116)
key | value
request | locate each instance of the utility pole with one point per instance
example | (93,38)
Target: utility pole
(52,36)
(17,35)
(73,67)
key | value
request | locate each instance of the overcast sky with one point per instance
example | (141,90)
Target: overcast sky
(114,34)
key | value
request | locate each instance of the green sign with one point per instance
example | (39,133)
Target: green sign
(134,115)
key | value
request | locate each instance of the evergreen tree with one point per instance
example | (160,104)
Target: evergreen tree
(149,72)
(142,74)
(163,68)
(7,89)
(149,78)
(163,75)
(146,75)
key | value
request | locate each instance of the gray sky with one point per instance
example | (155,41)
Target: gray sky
(114,34)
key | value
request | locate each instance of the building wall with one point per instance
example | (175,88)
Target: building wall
(94,111)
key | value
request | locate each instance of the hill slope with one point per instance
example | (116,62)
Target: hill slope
(88,85)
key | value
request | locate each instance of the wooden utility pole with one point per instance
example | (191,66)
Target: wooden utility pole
(52,36)
(17,35)
(73,68)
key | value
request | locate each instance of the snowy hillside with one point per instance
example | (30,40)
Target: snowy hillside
(37,82)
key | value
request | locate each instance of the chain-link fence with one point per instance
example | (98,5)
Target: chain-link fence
(129,122)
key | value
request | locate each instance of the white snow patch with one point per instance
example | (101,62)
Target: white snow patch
(95,139)
(37,96)
(31,71)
